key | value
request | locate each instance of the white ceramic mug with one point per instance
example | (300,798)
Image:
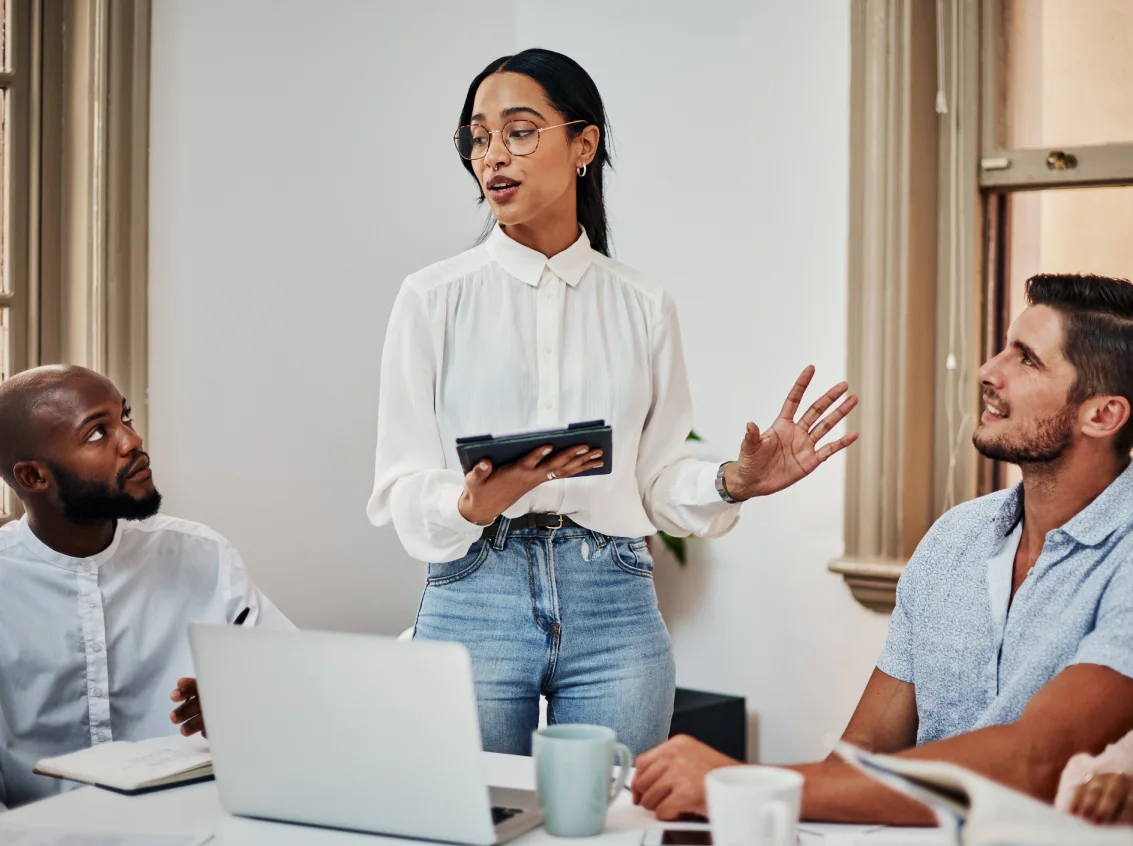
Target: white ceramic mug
(754,806)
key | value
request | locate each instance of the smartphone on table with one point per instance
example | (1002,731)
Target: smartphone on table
(677,837)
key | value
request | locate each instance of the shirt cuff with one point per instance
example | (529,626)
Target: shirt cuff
(450,511)
(706,493)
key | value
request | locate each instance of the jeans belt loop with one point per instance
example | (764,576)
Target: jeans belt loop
(500,538)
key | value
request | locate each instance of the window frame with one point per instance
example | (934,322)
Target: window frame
(21,131)
(915,200)
(1004,168)
(80,230)
(889,267)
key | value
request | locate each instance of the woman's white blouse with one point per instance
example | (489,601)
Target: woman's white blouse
(501,339)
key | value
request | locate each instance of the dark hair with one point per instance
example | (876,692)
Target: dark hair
(571,91)
(1097,314)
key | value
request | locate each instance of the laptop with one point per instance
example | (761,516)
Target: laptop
(353,732)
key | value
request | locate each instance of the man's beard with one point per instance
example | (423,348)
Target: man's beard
(92,502)
(1046,440)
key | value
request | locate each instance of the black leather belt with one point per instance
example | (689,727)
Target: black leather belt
(529,521)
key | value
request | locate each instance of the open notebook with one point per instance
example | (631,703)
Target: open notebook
(134,767)
(977,811)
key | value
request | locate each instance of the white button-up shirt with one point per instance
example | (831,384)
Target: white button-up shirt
(91,648)
(502,339)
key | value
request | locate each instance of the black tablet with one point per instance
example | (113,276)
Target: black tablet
(504,449)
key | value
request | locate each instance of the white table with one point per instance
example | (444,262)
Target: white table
(196,810)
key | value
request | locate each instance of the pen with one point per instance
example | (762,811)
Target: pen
(242,617)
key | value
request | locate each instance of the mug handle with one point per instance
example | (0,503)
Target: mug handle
(623,758)
(773,824)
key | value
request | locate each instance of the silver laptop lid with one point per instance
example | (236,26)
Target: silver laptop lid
(350,731)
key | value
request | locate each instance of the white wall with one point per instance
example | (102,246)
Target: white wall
(301,166)
(297,151)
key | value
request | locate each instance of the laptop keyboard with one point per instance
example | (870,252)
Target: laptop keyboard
(500,815)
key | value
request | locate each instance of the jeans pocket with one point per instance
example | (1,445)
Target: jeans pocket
(451,572)
(632,556)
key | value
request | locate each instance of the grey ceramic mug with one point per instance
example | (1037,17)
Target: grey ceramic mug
(573,764)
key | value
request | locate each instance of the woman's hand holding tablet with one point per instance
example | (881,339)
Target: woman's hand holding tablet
(496,481)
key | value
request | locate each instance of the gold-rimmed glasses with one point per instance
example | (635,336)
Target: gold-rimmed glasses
(521,137)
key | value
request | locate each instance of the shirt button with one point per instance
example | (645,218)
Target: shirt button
(91,603)
(84,566)
(548,294)
(98,693)
(97,647)
(102,737)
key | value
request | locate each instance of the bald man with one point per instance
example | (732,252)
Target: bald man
(96,589)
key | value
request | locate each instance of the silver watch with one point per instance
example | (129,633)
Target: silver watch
(721,488)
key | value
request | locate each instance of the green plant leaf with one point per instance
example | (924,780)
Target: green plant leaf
(676,546)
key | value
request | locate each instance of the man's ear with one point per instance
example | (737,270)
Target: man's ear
(1104,417)
(32,476)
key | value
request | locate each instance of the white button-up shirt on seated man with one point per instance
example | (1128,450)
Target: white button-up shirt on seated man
(96,590)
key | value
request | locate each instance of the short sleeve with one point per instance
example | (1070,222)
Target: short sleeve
(1110,644)
(897,657)
(937,545)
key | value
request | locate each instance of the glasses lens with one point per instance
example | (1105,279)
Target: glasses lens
(472,141)
(521,137)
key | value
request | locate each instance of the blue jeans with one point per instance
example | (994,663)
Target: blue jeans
(569,614)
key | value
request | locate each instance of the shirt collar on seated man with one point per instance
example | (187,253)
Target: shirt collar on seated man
(1093,524)
(67,562)
(526,264)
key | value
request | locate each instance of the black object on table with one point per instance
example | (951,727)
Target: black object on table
(715,719)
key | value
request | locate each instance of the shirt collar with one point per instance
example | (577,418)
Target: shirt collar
(79,565)
(526,264)
(1093,524)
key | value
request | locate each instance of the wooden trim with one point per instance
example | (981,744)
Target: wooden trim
(872,581)
(1003,168)
(21,134)
(915,330)
(877,196)
(80,95)
(892,284)
(993,93)
(127,154)
(920,283)
(51,149)
(1106,164)
(83,169)
(22,128)
(959,295)
(96,75)
(35,177)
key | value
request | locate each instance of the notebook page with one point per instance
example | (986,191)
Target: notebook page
(127,765)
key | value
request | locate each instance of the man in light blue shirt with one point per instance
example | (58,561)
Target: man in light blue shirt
(1011,646)
(96,589)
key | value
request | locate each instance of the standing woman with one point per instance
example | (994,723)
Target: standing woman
(547,579)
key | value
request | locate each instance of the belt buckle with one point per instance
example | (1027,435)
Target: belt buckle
(556,528)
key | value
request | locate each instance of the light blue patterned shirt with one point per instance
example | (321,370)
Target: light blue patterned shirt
(971,667)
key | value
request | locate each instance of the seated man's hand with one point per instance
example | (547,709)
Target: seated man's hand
(1104,798)
(670,779)
(188,715)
